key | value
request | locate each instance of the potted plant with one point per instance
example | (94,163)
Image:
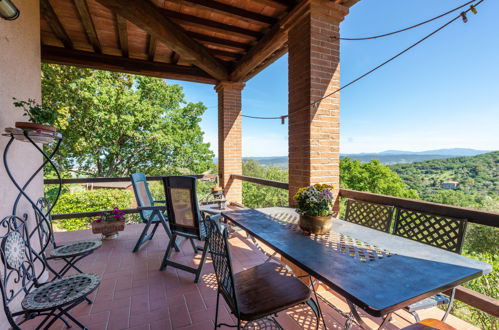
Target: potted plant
(315,206)
(109,223)
(40,118)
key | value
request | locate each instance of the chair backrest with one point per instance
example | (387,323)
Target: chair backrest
(182,205)
(439,231)
(220,255)
(376,216)
(43,228)
(143,195)
(17,276)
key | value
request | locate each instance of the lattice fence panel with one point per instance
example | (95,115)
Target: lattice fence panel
(442,232)
(370,215)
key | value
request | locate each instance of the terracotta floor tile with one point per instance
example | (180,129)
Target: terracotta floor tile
(134,294)
(180,316)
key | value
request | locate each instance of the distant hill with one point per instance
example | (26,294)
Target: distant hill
(388,157)
(476,174)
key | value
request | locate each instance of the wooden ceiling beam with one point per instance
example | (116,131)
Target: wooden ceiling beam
(209,24)
(149,18)
(219,41)
(174,58)
(53,21)
(58,55)
(228,10)
(122,34)
(225,53)
(88,24)
(274,4)
(267,46)
(151,47)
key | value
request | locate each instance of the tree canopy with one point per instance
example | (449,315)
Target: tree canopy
(373,177)
(115,124)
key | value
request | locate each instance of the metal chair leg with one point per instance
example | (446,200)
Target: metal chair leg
(203,259)
(216,310)
(194,246)
(143,234)
(449,307)
(168,252)
(168,231)
(154,230)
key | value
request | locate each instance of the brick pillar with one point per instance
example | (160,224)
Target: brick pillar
(229,138)
(314,71)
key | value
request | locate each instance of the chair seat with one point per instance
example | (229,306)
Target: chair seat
(438,299)
(429,324)
(60,292)
(262,290)
(75,249)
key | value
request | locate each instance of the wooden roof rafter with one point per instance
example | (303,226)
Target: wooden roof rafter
(122,28)
(148,17)
(58,55)
(208,24)
(48,12)
(88,24)
(228,10)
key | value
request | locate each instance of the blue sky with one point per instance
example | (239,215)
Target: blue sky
(442,94)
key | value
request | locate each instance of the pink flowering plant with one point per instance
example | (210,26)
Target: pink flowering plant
(315,200)
(114,215)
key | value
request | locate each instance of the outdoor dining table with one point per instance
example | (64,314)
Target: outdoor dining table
(374,270)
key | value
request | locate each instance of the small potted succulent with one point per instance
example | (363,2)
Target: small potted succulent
(40,118)
(315,206)
(109,223)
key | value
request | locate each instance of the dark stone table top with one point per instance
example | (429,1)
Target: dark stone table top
(379,272)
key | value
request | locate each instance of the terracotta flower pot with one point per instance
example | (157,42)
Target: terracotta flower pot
(108,229)
(315,224)
(35,126)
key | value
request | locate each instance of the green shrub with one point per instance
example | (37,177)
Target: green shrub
(88,201)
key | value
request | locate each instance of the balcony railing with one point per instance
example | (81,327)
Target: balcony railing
(472,298)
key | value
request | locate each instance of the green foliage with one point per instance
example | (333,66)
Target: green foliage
(477,175)
(373,177)
(486,284)
(256,195)
(88,201)
(35,112)
(478,189)
(116,124)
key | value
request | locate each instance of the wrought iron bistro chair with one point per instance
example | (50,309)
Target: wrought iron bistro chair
(375,216)
(70,253)
(18,281)
(185,220)
(439,231)
(150,213)
(256,294)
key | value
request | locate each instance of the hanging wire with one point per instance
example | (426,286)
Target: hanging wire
(462,16)
(407,28)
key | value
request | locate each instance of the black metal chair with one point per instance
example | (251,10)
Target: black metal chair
(375,216)
(70,253)
(150,213)
(19,282)
(438,231)
(185,220)
(256,294)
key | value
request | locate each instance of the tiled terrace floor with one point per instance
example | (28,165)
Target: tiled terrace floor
(134,294)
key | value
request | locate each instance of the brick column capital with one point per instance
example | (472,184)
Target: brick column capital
(329,10)
(229,85)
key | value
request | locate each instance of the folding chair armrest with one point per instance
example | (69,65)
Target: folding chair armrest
(151,208)
(159,202)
